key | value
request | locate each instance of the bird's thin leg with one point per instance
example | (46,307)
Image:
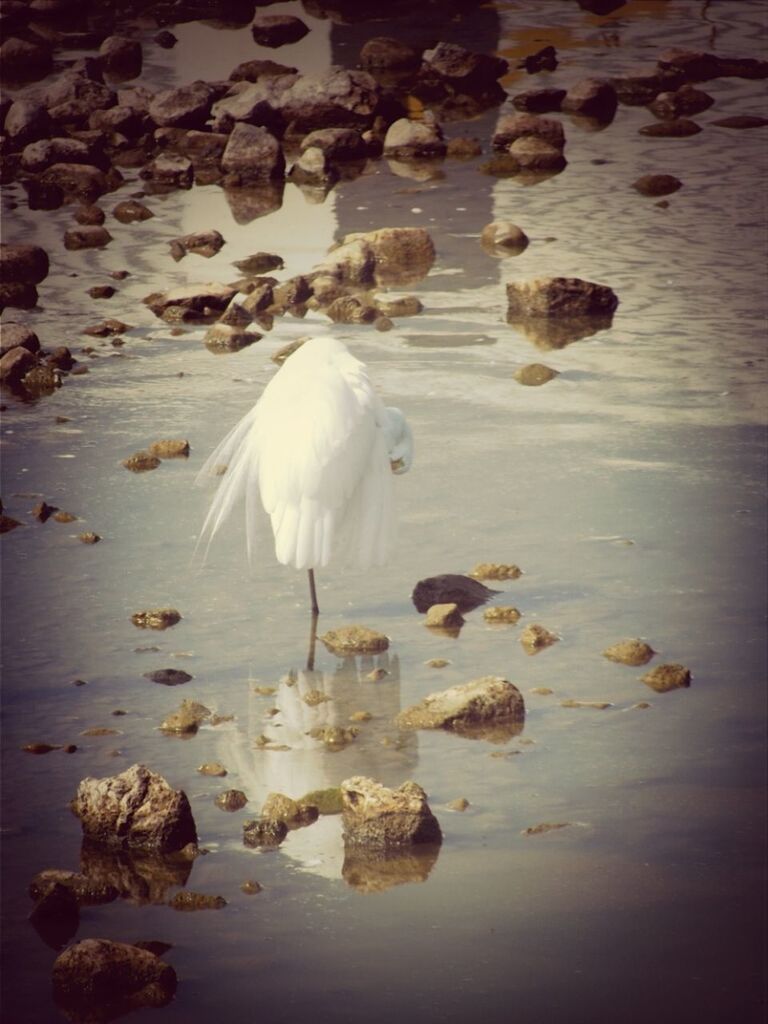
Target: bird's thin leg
(312,641)
(313,593)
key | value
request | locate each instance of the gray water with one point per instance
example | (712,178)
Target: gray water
(630,490)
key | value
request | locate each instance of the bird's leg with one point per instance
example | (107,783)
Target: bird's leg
(313,593)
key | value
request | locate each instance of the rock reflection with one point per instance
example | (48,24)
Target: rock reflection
(551,334)
(379,870)
(248,204)
(140,877)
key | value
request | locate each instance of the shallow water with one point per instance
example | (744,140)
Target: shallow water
(630,489)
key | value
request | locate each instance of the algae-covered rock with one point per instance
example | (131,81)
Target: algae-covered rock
(156,618)
(467,707)
(496,571)
(375,816)
(295,813)
(354,640)
(502,613)
(630,652)
(535,638)
(327,801)
(667,677)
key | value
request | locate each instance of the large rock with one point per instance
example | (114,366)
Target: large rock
(100,979)
(516,126)
(559,297)
(374,816)
(338,144)
(136,809)
(385,256)
(75,179)
(18,336)
(26,263)
(450,588)
(26,121)
(461,708)
(17,362)
(37,156)
(275,30)
(333,99)
(23,60)
(256,103)
(382,52)
(591,97)
(121,57)
(73,87)
(252,154)
(201,299)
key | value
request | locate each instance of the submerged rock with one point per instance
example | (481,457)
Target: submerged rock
(170,449)
(502,613)
(467,707)
(98,979)
(679,128)
(275,30)
(462,591)
(354,640)
(630,652)
(375,869)
(374,816)
(136,809)
(503,238)
(214,768)
(168,676)
(667,677)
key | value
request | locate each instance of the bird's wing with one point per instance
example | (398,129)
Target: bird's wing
(323,470)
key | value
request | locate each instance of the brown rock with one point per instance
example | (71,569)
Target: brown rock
(667,677)
(18,336)
(101,979)
(169,449)
(444,616)
(535,638)
(88,237)
(630,652)
(140,462)
(657,184)
(15,364)
(502,613)
(534,374)
(503,238)
(482,702)
(592,97)
(678,128)
(347,640)
(156,618)
(559,297)
(127,211)
(374,816)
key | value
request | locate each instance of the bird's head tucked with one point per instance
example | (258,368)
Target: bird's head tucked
(399,441)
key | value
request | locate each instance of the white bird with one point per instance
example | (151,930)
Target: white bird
(317,452)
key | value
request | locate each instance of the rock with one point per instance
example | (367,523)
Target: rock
(89,537)
(327,801)
(559,297)
(222,337)
(543,60)
(657,184)
(170,449)
(169,171)
(186,107)
(255,70)
(8,523)
(502,613)
(60,358)
(140,462)
(741,121)
(467,708)
(252,154)
(534,154)
(204,243)
(463,148)
(214,768)
(374,816)
(125,120)
(336,98)
(92,236)
(348,309)
(231,800)
(596,705)
(17,335)
(539,101)
(697,66)
(503,238)
(545,826)
(136,809)
(275,30)
(667,677)
(197,301)
(629,652)
(496,571)
(437,663)
(127,211)
(264,832)
(56,916)
(592,97)
(460,804)
(187,719)
(26,121)
(517,126)
(24,60)
(466,593)
(405,305)
(86,891)
(400,255)
(15,365)
(534,374)
(684,102)
(188,900)
(101,979)
(444,616)
(25,263)
(121,57)
(678,128)
(259,263)
(535,638)
(38,156)
(349,640)
(334,737)
(169,676)
(106,328)
(313,168)
(382,52)
(414,140)
(466,71)
(295,813)
(17,294)
(251,888)
(85,181)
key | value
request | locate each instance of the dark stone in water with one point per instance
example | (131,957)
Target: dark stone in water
(168,676)
(450,588)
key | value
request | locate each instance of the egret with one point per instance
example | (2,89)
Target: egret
(317,452)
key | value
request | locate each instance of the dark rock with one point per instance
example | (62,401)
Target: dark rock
(201,301)
(338,144)
(88,237)
(24,263)
(120,57)
(259,263)
(168,676)
(678,128)
(204,243)
(374,816)
(72,91)
(697,66)
(156,618)
(254,70)
(169,171)
(18,294)
(165,39)
(86,891)
(187,900)
(56,916)
(592,97)
(685,102)
(231,800)
(664,678)
(544,59)
(382,52)
(264,833)
(333,99)
(60,358)
(98,979)
(37,156)
(127,211)
(90,215)
(559,297)
(101,291)
(741,121)
(467,72)
(511,127)
(125,120)
(85,181)
(186,107)
(539,101)
(466,593)
(15,364)
(657,184)
(25,61)
(17,335)
(275,30)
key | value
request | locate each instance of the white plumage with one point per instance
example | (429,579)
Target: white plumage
(317,453)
